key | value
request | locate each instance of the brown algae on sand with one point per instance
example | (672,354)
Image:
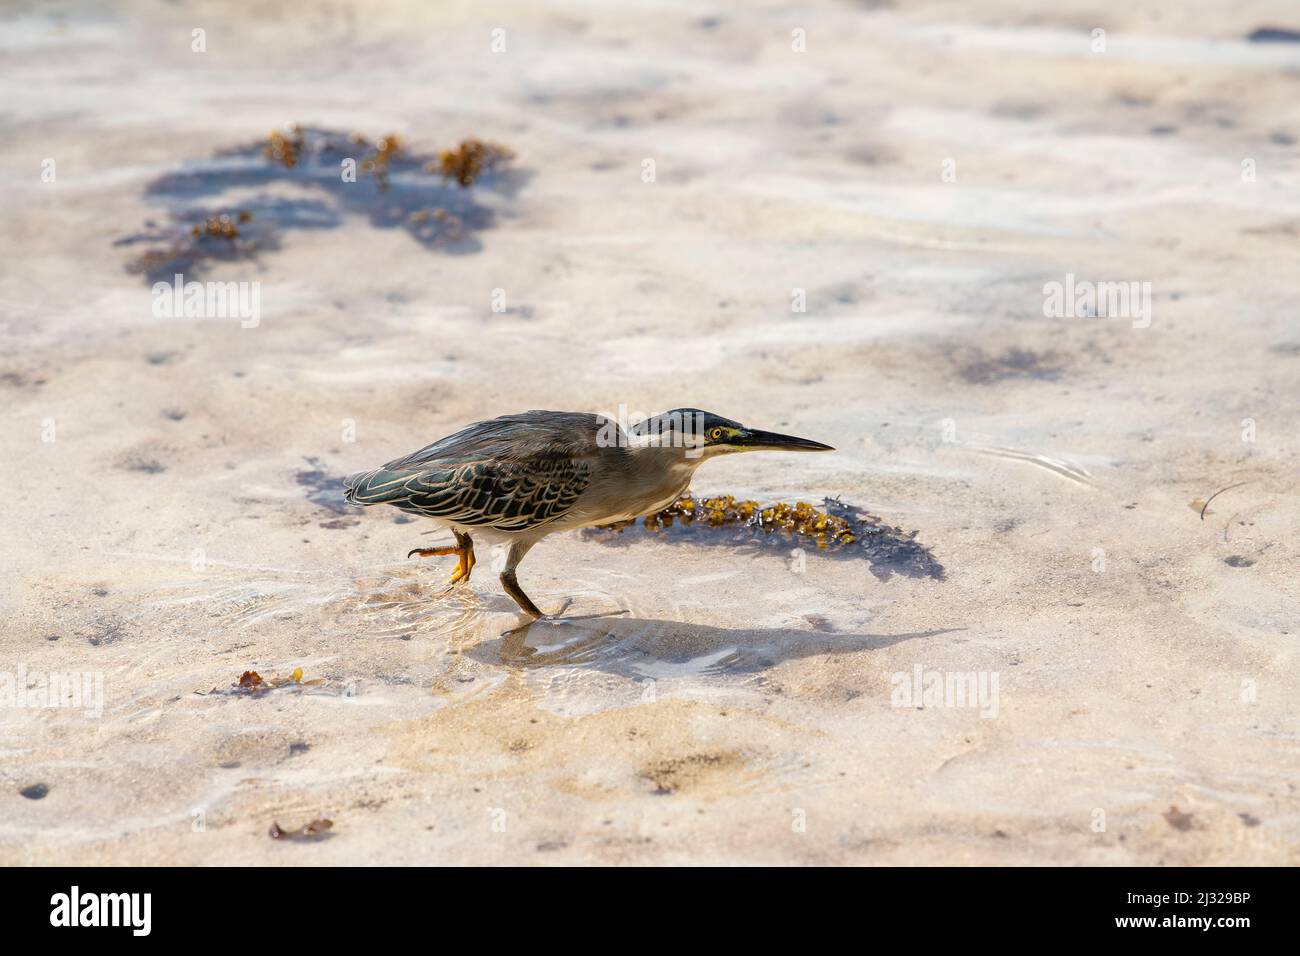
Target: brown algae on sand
(251,682)
(187,246)
(801,519)
(284,149)
(835,529)
(422,192)
(465,163)
(221,225)
(471,159)
(376,164)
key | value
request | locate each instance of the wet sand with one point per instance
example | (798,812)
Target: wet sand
(174,514)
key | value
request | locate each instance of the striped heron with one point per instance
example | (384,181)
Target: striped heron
(517,478)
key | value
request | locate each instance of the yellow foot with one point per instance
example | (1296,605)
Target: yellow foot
(465,558)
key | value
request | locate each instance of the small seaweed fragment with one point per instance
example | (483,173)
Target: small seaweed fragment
(308,831)
(376,164)
(221,226)
(471,159)
(430,224)
(284,149)
(185,246)
(252,682)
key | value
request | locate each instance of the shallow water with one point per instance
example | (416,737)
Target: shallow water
(1041,483)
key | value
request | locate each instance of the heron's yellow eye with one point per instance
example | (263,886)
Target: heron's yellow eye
(715,434)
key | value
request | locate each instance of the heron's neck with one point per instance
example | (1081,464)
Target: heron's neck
(659,468)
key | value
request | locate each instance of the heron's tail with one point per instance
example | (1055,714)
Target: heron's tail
(376,487)
(350,484)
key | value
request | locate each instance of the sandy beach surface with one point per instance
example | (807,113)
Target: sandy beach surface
(914,175)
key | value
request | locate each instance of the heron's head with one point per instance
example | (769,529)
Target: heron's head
(701,435)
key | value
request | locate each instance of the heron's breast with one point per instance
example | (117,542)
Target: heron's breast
(628,503)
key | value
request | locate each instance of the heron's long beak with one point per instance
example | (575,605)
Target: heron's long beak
(751,439)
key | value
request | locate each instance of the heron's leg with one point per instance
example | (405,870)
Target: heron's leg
(512,587)
(511,583)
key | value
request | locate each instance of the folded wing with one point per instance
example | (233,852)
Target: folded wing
(510,473)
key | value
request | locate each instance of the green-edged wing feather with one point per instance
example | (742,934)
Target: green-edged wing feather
(510,473)
(508,496)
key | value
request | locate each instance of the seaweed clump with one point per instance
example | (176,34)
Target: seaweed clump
(470,160)
(292,148)
(284,149)
(837,529)
(424,192)
(251,682)
(186,246)
(376,164)
(465,163)
(222,226)
(800,519)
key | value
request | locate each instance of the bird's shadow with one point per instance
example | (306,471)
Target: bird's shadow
(640,649)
